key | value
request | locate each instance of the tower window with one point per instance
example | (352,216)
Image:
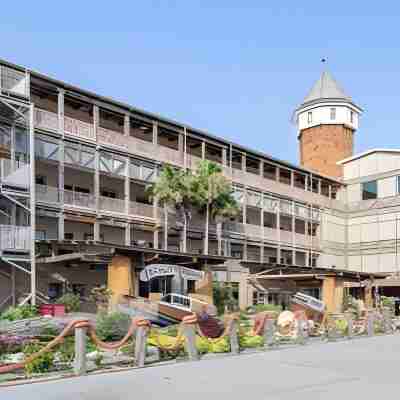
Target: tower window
(351,116)
(309,117)
(333,113)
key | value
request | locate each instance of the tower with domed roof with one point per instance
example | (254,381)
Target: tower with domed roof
(326,122)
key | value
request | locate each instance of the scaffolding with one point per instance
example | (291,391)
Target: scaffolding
(17,186)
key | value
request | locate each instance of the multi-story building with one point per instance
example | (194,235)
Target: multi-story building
(75,166)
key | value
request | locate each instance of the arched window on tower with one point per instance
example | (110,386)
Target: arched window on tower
(309,117)
(352,117)
(333,113)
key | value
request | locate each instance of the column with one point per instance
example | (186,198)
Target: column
(127,125)
(203,150)
(12,147)
(277,174)
(96,232)
(224,157)
(127,186)
(278,232)
(121,277)
(261,168)
(293,234)
(128,234)
(262,228)
(155,133)
(61,225)
(96,120)
(244,162)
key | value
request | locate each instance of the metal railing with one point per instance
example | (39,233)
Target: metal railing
(145,210)
(14,81)
(47,194)
(7,168)
(15,237)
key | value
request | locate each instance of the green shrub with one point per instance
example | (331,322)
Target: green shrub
(67,350)
(263,307)
(112,326)
(41,364)
(71,301)
(19,312)
(248,341)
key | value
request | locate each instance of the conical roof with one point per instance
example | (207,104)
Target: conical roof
(326,88)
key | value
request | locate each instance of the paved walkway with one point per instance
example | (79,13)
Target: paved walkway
(362,368)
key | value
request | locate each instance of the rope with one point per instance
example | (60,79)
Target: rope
(136,322)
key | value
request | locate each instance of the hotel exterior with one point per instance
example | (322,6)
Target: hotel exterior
(74,167)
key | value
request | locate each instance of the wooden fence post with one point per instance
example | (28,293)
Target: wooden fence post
(189,332)
(233,337)
(269,332)
(80,367)
(140,345)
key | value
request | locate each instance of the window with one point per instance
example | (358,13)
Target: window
(351,116)
(108,193)
(68,236)
(41,180)
(333,113)
(369,190)
(309,117)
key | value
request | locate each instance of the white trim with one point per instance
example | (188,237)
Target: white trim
(366,153)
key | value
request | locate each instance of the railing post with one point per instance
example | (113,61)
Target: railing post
(233,337)
(302,334)
(140,345)
(387,320)
(269,332)
(80,351)
(190,338)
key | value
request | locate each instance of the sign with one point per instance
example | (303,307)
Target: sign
(157,270)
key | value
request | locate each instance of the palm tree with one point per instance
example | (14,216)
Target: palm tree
(212,191)
(171,189)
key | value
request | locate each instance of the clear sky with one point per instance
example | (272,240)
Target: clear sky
(234,68)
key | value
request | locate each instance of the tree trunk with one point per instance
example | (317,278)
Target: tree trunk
(165,227)
(206,229)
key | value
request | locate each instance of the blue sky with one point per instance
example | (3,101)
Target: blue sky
(234,68)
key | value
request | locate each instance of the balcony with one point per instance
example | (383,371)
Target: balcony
(15,238)
(79,128)
(80,200)
(112,205)
(46,120)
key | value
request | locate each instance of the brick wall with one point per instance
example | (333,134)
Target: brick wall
(322,146)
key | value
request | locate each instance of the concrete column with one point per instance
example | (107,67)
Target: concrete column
(96,231)
(155,133)
(61,224)
(203,150)
(127,125)
(96,119)
(80,351)
(97,179)
(269,332)
(291,178)
(244,162)
(293,235)
(12,146)
(60,107)
(233,338)
(140,345)
(127,186)
(128,234)
(224,157)
(262,228)
(277,173)
(189,331)
(261,168)
(278,232)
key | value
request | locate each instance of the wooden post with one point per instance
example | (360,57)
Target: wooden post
(233,338)
(80,351)
(140,345)
(190,338)
(269,332)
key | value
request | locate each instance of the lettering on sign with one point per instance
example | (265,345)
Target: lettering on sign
(157,270)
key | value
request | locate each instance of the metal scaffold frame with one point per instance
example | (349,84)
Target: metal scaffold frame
(17,238)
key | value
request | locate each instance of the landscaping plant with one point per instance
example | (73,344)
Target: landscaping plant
(20,312)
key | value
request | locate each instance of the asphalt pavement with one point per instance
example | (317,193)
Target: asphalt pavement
(367,368)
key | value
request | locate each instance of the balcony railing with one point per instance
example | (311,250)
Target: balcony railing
(112,205)
(79,128)
(145,210)
(15,238)
(47,194)
(76,199)
(46,120)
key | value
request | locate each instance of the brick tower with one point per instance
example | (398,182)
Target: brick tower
(326,122)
